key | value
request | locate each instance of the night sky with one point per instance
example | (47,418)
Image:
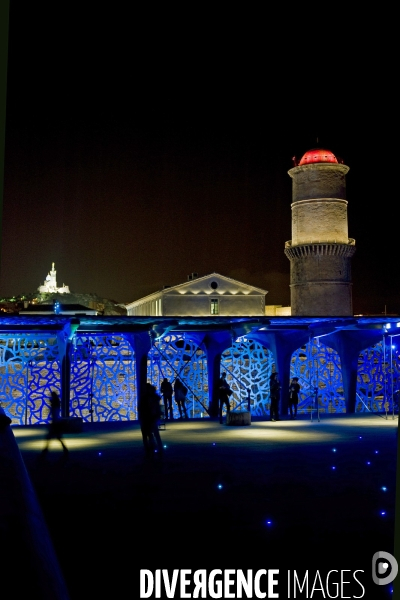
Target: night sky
(144,146)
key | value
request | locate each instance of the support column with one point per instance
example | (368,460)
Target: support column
(141,344)
(64,349)
(215,344)
(66,380)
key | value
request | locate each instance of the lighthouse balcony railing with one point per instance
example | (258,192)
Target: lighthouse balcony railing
(350,242)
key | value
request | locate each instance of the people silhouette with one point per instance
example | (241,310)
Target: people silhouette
(180,391)
(55,425)
(294,389)
(166,391)
(275,392)
(224,391)
(149,413)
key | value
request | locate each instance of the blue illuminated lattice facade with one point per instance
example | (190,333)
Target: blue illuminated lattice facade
(103,378)
(29,370)
(318,368)
(179,356)
(248,366)
(378,379)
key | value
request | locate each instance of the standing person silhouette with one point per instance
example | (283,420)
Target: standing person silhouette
(224,391)
(275,392)
(294,389)
(149,413)
(180,391)
(55,426)
(166,391)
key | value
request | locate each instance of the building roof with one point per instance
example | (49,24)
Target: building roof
(216,276)
(319,326)
(318,155)
(64,309)
(194,284)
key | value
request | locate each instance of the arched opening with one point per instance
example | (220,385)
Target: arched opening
(179,356)
(378,378)
(248,365)
(29,371)
(320,376)
(103,378)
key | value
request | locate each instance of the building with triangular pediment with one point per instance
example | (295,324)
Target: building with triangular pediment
(204,296)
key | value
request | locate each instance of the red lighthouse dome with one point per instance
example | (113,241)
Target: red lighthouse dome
(318,156)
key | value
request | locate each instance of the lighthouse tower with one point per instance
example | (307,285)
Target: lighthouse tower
(320,250)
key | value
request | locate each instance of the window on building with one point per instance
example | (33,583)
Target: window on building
(214,306)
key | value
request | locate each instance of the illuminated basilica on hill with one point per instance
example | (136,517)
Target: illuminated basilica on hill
(50,284)
(99,365)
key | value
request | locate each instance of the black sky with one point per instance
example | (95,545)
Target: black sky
(142,147)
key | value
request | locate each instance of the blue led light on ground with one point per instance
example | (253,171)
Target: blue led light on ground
(384,489)
(383,513)
(220,486)
(333,468)
(99,453)
(334,450)
(368,462)
(268,523)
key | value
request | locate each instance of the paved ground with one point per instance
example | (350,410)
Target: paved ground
(290,495)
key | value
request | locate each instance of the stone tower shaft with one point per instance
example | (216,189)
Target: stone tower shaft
(320,250)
